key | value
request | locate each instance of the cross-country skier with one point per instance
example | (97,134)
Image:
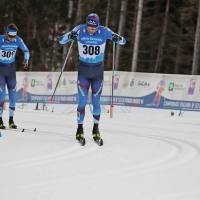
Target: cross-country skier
(91,39)
(9,44)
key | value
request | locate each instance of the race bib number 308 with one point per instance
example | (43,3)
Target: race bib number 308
(7,55)
(91,50)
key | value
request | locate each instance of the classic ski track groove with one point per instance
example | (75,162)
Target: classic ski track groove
(181,153)
(68,153)
(105,130)
(171,159)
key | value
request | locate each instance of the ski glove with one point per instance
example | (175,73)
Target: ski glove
(73,35)
(116,38)
(25,64)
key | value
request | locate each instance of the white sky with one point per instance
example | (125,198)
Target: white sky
(147,155)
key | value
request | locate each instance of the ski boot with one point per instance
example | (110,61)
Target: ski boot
(12,124)
(96,135)
(80,135)
(2,125)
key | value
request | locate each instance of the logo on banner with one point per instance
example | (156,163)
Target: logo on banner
(59,84)
(175,86)
(106,83)
(72,82)
(125,83)
(33,83)
(64,82)
(116,81)
(171,86)
(143,83)
(49,82)
(132,83)
(191,86)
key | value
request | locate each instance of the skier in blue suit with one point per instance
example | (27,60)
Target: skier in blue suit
(91,39)
(9,43)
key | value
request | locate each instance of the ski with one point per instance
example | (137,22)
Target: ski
(81,141)
(20,129)
(28,129)
(99,142)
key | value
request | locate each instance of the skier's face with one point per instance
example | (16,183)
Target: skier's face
(91,30)
(10,38)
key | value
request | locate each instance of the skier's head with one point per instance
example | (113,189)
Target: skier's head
(11,32)
(92,23)
(92,20)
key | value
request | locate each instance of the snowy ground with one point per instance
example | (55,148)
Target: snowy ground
(147,155)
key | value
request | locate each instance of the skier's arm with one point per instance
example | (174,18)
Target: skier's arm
(70,35)
(114,36)
(24,48)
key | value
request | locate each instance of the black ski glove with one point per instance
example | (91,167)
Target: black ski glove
(73,35)
(116,38)
(25,64)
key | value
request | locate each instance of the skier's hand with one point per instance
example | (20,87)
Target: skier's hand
(25,64)
(73,35)
(116,38)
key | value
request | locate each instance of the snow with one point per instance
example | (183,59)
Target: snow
(148,154)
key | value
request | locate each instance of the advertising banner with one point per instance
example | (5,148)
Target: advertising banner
(162,91)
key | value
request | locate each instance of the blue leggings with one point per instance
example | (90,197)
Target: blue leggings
(8,77)
(89,76)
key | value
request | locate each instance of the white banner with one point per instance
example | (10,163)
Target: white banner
(129,89)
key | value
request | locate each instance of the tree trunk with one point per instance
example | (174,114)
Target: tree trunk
(107,13)
(162,40)
(68,26)
(120,30)
(196,46)
(137,36)
(134,25)
(178,52)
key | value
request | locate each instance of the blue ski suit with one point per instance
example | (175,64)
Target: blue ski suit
(8,71)
(91,50)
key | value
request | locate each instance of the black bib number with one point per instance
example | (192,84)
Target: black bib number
(91,50)
(8,54)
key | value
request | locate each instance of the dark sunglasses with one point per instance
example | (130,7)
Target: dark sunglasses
(93,29)
(11,36)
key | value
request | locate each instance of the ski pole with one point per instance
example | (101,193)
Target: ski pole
(51,99)
(113,71)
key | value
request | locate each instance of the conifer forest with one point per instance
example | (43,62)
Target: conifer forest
(162,36)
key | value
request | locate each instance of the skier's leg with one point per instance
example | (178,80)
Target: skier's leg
(97,86)
(2,93)
(11,84)
(2,100)
(83,84)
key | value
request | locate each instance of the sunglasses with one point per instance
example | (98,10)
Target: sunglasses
(11,36)
(91,29)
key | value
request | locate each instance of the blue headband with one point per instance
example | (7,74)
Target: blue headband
(11,32)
